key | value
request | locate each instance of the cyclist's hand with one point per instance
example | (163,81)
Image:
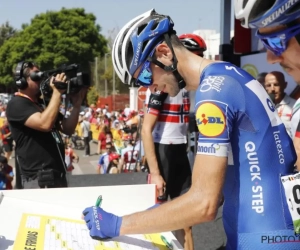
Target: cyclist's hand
(102,225)
(159,182)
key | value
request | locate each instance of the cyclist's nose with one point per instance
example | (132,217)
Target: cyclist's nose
(272,58)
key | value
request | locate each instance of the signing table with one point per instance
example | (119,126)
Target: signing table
(50,219)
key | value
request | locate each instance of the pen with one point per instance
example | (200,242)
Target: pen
(99,201)
(168,244)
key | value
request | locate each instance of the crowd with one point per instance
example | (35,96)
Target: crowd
(118,144)
(245,155)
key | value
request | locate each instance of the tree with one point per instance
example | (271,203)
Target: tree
(92,96)
(52,39)
(6,32)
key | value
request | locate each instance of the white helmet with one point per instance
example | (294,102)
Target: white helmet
(263,13)
(136,40)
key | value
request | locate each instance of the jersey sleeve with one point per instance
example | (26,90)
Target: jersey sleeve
(215,111)
(101,160)
(155,102)
(19,109)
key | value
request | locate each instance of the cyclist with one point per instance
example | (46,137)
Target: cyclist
(238,150)
(164,134)
(278,24)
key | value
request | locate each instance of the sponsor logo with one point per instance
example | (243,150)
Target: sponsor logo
(279,12)
(137,54)
(270,105)
(279,147)
(210,120)
(211,149)
(215,149)
(153,101)
(212,82)
(257,190)
(96,217)
(233,68)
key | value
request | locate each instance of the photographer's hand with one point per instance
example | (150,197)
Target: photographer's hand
(58,79)
(77,98)
(69,125)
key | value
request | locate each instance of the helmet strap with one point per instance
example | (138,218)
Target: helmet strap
(171,68)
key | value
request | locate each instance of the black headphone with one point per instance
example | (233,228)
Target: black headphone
(21,81)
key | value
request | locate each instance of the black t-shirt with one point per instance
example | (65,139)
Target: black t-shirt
(35,149)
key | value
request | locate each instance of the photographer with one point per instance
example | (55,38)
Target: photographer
(39,147)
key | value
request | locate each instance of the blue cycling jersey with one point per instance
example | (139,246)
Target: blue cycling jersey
(237,119)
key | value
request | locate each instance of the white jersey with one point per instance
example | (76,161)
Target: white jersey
(130,156)
(295,118)
(172,123)
(285,111)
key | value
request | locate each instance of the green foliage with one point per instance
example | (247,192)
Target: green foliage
(6,32)
(52,39)
(92,96)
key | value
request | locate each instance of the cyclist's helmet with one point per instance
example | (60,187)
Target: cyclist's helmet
(193,42)
(264,13)
(136,40)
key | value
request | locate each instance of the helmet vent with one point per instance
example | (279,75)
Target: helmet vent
(144,45)
(154,26)
(245,3)
(295,8)
(141,28)
(129,54)
(260,7)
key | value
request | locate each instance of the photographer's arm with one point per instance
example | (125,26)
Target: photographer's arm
(69,124)
(44,121)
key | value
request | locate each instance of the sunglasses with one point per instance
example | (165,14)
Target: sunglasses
(278,42)
(145,76)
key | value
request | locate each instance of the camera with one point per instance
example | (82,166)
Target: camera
(75,79)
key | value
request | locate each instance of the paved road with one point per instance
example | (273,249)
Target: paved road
(207,236)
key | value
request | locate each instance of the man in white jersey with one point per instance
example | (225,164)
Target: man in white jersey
(164,134)
(129,158)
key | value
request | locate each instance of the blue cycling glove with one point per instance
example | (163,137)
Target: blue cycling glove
(102,225)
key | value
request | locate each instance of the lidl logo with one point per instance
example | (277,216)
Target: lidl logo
(210,120)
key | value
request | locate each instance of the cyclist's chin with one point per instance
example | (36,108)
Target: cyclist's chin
(295,73)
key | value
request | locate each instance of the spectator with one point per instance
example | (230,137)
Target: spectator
(275,85)
(104,160)
(129,158)
(113,164)
(127,110)
(261,77)
(85,129)
(7,139)
(6,174)
(70,157)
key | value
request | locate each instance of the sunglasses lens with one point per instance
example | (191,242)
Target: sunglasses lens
(275,44)
(145,76)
